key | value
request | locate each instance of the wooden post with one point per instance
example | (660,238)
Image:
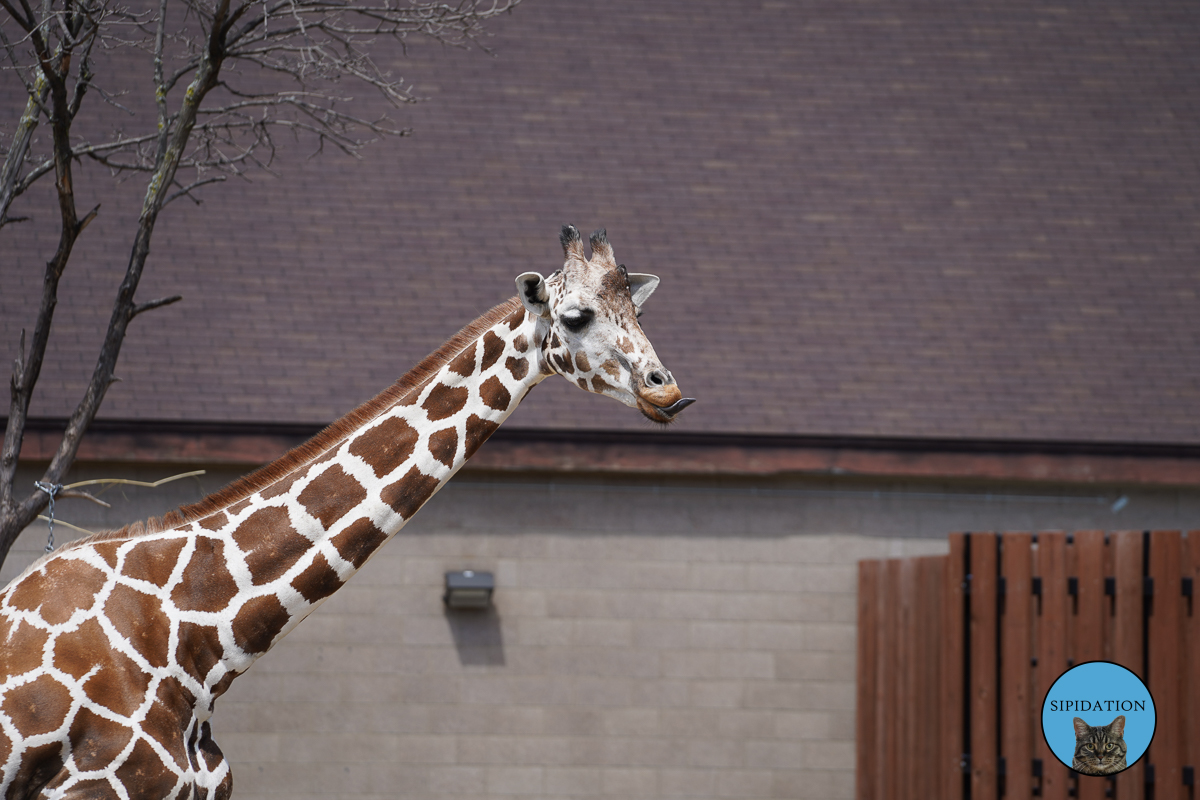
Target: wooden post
(866,710)
(1019,720)
(984,702)
(1165,665)
(953,694)
(1127,634)
(1090,613)
(1052,632)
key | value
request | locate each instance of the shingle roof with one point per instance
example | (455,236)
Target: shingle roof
(922,219)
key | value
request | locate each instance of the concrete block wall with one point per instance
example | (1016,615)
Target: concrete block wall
(612,665)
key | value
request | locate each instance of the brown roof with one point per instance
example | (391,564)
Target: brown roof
(871,219)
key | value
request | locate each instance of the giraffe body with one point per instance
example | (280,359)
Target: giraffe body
(114,650)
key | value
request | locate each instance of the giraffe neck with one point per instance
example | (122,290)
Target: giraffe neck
(263,563)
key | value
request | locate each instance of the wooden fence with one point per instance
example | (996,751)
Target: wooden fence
(956,654)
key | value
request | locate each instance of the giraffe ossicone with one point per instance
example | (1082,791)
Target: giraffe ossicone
(114,649)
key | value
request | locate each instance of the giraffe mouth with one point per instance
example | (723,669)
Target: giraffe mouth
(664,414)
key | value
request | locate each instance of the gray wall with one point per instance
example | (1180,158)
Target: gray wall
(650,637)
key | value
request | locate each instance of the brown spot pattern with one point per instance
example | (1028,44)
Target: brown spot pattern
(493,394)
(165,718)
(71,584)
(96,741)
(22,651)
(521,343)
(108,552)
(358,541)
(581,360)
(119,684)
(38,766)
(214,522)
(563,363)
(599,385)
(408,494)
(612,368)
(317,581)
(207,584)
(445,401)
(625,345)
(211,753)
(199,649)
(516,318)
(75,651)
(386,446)
(332,495)
(493,348)
(583,384)
(284,484)
(443,444)
(270,542)
(478,431)
(146,771)
(517,367)
(153,560)
(39,706)
(258,623)
(141,621)
(464,362)
(242,505)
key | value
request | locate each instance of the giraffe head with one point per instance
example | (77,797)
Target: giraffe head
(587,323)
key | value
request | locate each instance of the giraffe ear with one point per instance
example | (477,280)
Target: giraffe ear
(531,288)
(641,286)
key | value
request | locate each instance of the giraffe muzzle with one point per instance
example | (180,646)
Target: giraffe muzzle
(662,403)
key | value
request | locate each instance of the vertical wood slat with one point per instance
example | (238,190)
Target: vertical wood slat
(888,682)
(928,606)
(983,684)
(866,709)
(1127,634)
(1052,628)
(1089,616)
(1090,606)
(1191,569)
(1018,706)
(904,730)
(953,692)
(1165,661)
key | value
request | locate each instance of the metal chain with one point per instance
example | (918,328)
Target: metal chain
(51,489)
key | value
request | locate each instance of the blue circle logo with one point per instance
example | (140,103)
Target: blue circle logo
(1098,718)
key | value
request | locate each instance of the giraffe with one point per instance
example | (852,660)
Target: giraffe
(116,647)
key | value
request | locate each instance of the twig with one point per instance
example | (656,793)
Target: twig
(153,304)
(65,524)
(129,482)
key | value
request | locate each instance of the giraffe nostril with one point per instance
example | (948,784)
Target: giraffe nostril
(656,378)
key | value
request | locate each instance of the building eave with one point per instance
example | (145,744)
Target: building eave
(668,452)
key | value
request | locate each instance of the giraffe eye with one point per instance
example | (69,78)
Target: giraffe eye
(577,319)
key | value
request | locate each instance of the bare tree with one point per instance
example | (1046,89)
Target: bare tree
(228,76)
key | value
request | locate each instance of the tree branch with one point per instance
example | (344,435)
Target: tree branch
(153,304)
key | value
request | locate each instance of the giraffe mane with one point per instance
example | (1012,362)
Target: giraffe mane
(332,435)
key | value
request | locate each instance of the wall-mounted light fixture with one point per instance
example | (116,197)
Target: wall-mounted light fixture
(468,589)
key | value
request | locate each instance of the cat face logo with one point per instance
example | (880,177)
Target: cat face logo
(1099,750)
(1098,718)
